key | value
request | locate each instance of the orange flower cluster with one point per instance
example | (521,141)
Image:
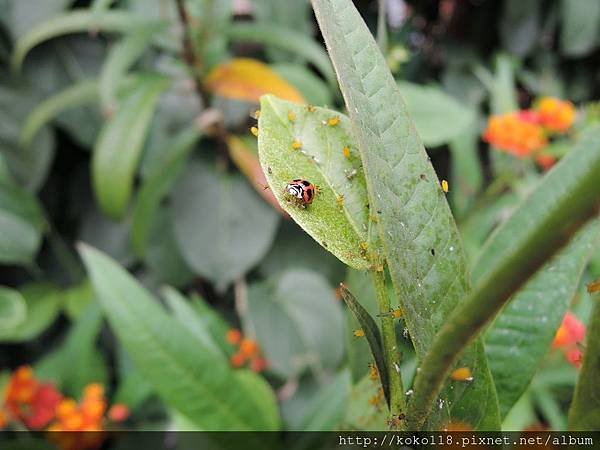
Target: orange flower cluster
(248,351)
(556,115)
(525,133)
(41,406)
(511,133)
(568,338)
(28,401)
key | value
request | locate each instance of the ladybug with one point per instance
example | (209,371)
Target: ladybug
(302,192)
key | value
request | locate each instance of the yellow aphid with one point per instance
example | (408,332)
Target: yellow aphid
(395,313)
(445,186)
(347,153)
(594,286)
(377,398)
(379,268)
(257,114)
(374,219)
(333,121)
(373,372)
(364,246)
(291,116)
(296,145)
(340,200)
(311,108)
(462,374)
(359,333)
(254,131)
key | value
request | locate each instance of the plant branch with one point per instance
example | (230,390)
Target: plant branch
(390,348)
(189,54)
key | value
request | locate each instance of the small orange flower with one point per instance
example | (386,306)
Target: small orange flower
(93,391)
(556,115)
(568,337)
(234,336)
(119,412)
(259,364)
(238,359)
(510,133)
(3,419)
(545,161)
(249,347)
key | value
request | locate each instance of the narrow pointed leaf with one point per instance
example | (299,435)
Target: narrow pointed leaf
(121,57)
(119,146)
(286,39)
(157,185)
(419,236)
(73,22)
(188,376)
(521,335)
(373,337)
(338,217)
(76,95)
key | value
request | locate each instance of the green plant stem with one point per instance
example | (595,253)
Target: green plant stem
(382,40)
(390,347)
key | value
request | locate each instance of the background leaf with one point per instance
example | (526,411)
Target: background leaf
(13,311)
(338,218)
(42,304)
(438,117)
(248,79)
(298,322)
(119,146)
(223,228)
(521,335)
(21,224)
(580,26)
(187,377)
(414,216)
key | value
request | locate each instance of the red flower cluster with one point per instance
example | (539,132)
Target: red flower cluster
(248,351)
(526,132)
(568,338)
(41,406)
(28,401)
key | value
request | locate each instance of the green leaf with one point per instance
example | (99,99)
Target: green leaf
(466,169)
(361,414)
(119,146)
(42,303)
(520,25)
(327,408)
(298,322)
(580,26)
(187,376)
(221,225)
(340,228)
(372,335)
(419,236)
(184,312)
(19,17)
(13,311)
(157,184)
(438,117)
(73,22)
(286,39)
(76,95)
(310,86)
(559,205)
(584,414)
(121,57)
(521,335)
(21,224)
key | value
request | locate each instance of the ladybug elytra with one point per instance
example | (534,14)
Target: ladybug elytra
(301,191)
